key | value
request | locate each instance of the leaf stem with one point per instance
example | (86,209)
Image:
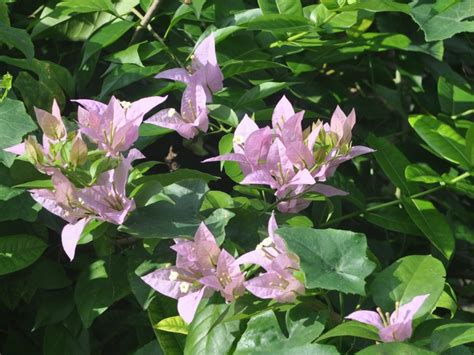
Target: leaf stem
(397,201)
(156,36)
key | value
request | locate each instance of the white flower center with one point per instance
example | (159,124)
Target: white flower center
(238,139)
(265,243)
(125,104)
(171,112)
(184,287)
(173,276)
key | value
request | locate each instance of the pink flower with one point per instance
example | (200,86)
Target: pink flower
(278,281)
(278,284)
(394,327)
(193,117)
(46,155)
(251,145)
(199,255)
(204,69)
(290,160)
(270,248)
(201,269)
(228,279)
(182,285)
(114,127)
(106,201)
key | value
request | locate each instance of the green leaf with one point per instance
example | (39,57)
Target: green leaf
(352,329)
(76,28)
(290,7)
(128,55)
(104,37)
(196,6)
(35,93)
(407,278)
(7,193)
(54,307)
(19,251)
(60,340)
(126,74)
(48,275)
(36,184)
(442,19)
(177,176)
(180,13)
(17,38)
(223,114)
(207,335)
(99,286)
(85,6)
(422,173)
(174,324)
(161,308)
(394,348)
(281,23)
(264,336)
(12,131)
(450,335)
(152,348)
(150,130)
(453,99)
(331,259)
(448,300)
(20,207)
(236,67)
(440,137)
(148,193)
(432,223)
(470,144)
(377,6)
(394,219)
(259,92)
(304,324)
(165,220)
(393,163)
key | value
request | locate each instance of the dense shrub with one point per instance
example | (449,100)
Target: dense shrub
(236,177)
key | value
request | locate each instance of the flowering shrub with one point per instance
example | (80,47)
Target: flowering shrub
(172,177)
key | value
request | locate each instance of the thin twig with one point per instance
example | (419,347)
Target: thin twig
(145,20)
(158,38)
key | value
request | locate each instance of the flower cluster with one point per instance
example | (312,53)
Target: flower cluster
(202,78)
(202,268)
(290,160)
(392,327)
(87,184)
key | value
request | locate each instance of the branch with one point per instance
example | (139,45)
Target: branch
(145,20)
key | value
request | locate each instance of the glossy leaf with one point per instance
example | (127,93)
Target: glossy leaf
(331,259)
(12,131)
(406,278)
(394,348)
(264,336)
(17,38)
(444,19)
(207,334)
(393,163)
(432,223)
(98,287)
(19,251)
(443,139)
(450,335)
(352,329)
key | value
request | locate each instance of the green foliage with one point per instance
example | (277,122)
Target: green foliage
(330,259)
(19,251)
(405,229)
